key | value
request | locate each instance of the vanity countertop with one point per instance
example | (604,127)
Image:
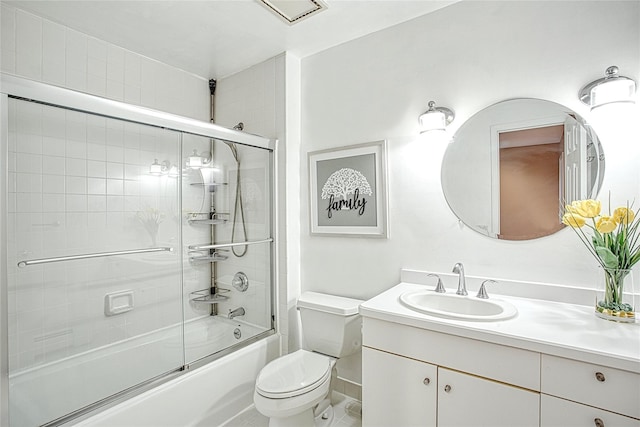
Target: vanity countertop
(559,329)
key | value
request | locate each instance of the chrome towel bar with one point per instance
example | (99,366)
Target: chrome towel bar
(95,255)
(228,245)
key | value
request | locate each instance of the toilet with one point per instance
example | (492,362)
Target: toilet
(294,390)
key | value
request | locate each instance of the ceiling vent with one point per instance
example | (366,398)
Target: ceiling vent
(294,11)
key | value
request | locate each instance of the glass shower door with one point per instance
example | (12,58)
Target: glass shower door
(228,239)
(94,268)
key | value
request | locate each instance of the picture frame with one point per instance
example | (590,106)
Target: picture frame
(348,191)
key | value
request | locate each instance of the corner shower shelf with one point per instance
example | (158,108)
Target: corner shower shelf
(211,186)
(206,218)
(208,184)
(207,221)
(208,258)
(206,297)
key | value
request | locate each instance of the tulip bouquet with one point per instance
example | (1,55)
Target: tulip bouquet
(614,242)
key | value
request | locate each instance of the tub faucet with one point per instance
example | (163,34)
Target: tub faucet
(462,285)
(237,312)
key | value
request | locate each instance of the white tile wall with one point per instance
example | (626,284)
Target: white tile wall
(255,97)
(84,179)
(75,174)
(36,48)
(67,204)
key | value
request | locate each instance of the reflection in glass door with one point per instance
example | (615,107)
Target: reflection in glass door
(94,283)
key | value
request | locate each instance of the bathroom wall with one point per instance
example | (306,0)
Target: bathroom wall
(466,56)
(80,180)
(42,50)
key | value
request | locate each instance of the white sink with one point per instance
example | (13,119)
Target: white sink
(458,307)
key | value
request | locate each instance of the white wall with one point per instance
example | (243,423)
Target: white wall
(466,56)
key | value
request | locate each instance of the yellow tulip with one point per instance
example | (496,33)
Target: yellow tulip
(585,208)
(606,224)
(623,215)
(573,220)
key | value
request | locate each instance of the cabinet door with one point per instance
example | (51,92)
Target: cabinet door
(397,391)
(468,401)
(555,412)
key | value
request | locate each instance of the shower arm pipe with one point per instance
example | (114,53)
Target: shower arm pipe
(228,245)
(94,255)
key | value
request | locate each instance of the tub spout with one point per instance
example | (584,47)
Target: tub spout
(237,312)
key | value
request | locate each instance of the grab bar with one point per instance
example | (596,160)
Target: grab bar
(96,255)
(228,245)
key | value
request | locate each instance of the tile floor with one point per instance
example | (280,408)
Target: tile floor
(347,414)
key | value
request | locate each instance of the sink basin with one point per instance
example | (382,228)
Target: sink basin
(458,307)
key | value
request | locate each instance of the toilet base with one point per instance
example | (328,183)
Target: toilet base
(305,419)
(325,418)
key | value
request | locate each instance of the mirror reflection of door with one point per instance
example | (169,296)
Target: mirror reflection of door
(532,181)
(576,179)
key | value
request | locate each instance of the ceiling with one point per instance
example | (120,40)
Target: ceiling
(216,38)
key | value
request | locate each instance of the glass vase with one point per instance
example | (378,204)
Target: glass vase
(615,295)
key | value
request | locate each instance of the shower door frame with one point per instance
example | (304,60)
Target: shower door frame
(29,90)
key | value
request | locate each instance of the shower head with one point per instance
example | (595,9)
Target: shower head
(212,86)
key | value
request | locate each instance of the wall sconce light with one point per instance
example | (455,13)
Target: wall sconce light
(435,118)
(609,89)
(158,169)
(197,161)
(164,168)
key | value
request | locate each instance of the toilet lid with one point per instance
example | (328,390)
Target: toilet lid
(293,374)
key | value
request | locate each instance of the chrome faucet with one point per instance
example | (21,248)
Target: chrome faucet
(237,312)
(462,285)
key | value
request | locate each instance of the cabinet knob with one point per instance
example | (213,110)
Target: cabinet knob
(600,376)
(447,388)
(426,381)
(598,422)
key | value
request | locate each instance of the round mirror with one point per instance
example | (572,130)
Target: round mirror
(512,167)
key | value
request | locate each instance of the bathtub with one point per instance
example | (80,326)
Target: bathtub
(208,395)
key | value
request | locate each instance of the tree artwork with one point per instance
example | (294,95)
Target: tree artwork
(342,184)
(345,181)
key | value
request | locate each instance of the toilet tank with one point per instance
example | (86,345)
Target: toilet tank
(331,324)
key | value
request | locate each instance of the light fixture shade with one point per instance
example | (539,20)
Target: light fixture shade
(194,161)
(173,171)
(435,118)
(612,88)
(155,168)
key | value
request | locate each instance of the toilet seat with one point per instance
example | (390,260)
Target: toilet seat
(293,374)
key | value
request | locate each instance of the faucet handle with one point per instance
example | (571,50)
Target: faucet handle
(439,287)
(482,293)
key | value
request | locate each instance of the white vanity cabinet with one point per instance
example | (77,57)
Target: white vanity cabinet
(398,391)
(467,400)
(583,394)
(414,377)
(553,365)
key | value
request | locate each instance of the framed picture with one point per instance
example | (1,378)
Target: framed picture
(348,190)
